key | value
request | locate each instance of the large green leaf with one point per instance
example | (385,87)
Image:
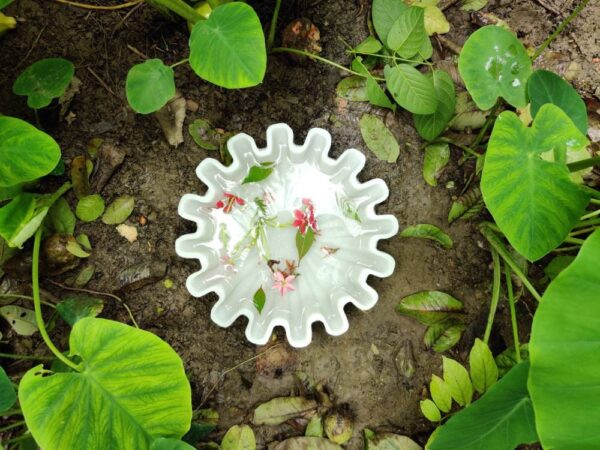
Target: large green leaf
(411,89)
(493,63)
(131,390)
(564,379)
(430,126)
(20,219)
(533,201)
(500,420)
(547,87)
(385,13)
(228,49)
(407,35)
(44,80)
(149,86)
(26,153)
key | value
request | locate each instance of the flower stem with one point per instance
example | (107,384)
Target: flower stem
(273,26)
(513,313)
(495,296)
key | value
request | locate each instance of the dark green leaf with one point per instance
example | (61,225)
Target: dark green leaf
(385,13)
(84,275)
(443,336)
(44,80)
(204,134)
(119,210)
(75,307)
(304,242)
(5,3)
(557,265)
(411,89)
(375,94)
(8,397)
(379,138)
(508,359)
(427,231)
(430,307)
(258,173)
(353,88)
(149,86)
(466,113)
(407,34)
(170,444)
(484,372)
(259,299)
(436,158)
(467,205)
(430,126)
(89,208)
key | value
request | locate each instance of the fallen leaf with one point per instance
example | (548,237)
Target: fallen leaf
(307,443)
(76,307)
(129,232)
(379,138)
(119,210)
(427,231)
(22,320)
(430,307)
(171,118)
(282,409)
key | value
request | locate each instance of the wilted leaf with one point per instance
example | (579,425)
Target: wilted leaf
(467,114)
(8,396)
(353,88)
(379,138)
(258,173)
(259,299)
(430,411)
(84,275)
(388,441)
(405,361)
(62,218)
(307,443)
(436,158)
(129,232)
(304,242)
(89,208)
(79,177)
(427,231)
(435,21)
(76,307)
(281,409)
(473,5)
(443,336)
(484,372)
(430,307)
(204,134)
(119,210)
(239,438)
(440,393)
(22,320)
(457,379)
(467,205)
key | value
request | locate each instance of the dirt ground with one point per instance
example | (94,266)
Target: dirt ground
(359,366)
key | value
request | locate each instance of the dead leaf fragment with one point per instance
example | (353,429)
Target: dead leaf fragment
(171,117)
(129,232)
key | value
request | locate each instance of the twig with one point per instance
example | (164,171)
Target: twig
(124,19)
(101,81)
(137,52)
(100,8)
(26,357)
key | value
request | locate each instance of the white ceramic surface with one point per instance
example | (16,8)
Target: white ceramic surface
(247,235)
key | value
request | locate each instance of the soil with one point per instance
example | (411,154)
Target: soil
(359,367)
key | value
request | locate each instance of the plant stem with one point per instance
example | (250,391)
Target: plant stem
(587,223)
(320,58)
(12,412)
(26,357)
(496,243)
(35,281)
(395,58)
(594,193)
(583,164)
(178,63)
(273,26)
(182,9)
(559,29)
(495,296)
(591,215)
(572,240)
(462,147)
(582,231)
(213,3)
(513,312)
(101,8)
(26,297)
(487,123)
(12,425)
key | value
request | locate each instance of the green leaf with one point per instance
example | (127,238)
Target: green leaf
(466,113)
(508,359)
(457,379)
(388,441)
(443,336)
(131,390)
(427,231)
(375,94)
(62,218)
(501,419)
(259,299)
(119,210)
(484,372)
(75,307)
(205,421)
(19,219)
(84,275)
(407,34)
(557,265)
(149,86)
(89,208)
(440,393)
(533,201)
(430,307)
(22,320)
(436,158)
(84,241)
(473,5)
(430,126)
(26,153)
(435,20)
(430,411)
(282,409)
(493,63)
(385,13)
(204,134)
(170,444)
(307,443)
(467,205)
(239,438)
(304,242)
(74,248)
(411,89)
(544,87)
(5,3)
(228,49)
(379,138)
(353,88)
(369,45)
(564,379)
(314,427)
(8,396)
(258,173)
(44,81)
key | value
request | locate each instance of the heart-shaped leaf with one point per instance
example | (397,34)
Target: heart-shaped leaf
(430,307)
(385,13)
(564,379)
(430,126)
(533,201)
(131,390)
(408,33)
(411,89)
(493,63)
(26,153)
(44,81)
(379,138)
(544,87)
(228,49)
(149,86)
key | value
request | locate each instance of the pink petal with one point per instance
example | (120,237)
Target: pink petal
(240,201)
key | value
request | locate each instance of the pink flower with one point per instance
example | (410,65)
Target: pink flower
(305,217)
(228,202)
(301,221)
(283,283)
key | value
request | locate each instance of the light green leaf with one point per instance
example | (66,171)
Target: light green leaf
(411,89)
(307,443)
(427,231)
(22,320)
(353,88)
(385,13)
(457,379)
(258,173)
(74,248)
(44,81)
(493,63)
(369,45)
(435,21)
(228,49)
(473,5)
(431,126)
(89,208)
(484,372)
(84,241)
(19,219)
(304,242)
(533,201)
(501,419)
(407,34)
(259,299)
(375,94)
(26,153)
(388,441)
(436,158)
(379,138)
(430,411)
(149,86)
(170,444)
(430,307)
(106,405)
(239,438)
(75,307)
(119,210)
(443,336)
(281,409)
(564,379)
(544,87)
(62,218)
(8,396)
(314,427)
(440,393)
